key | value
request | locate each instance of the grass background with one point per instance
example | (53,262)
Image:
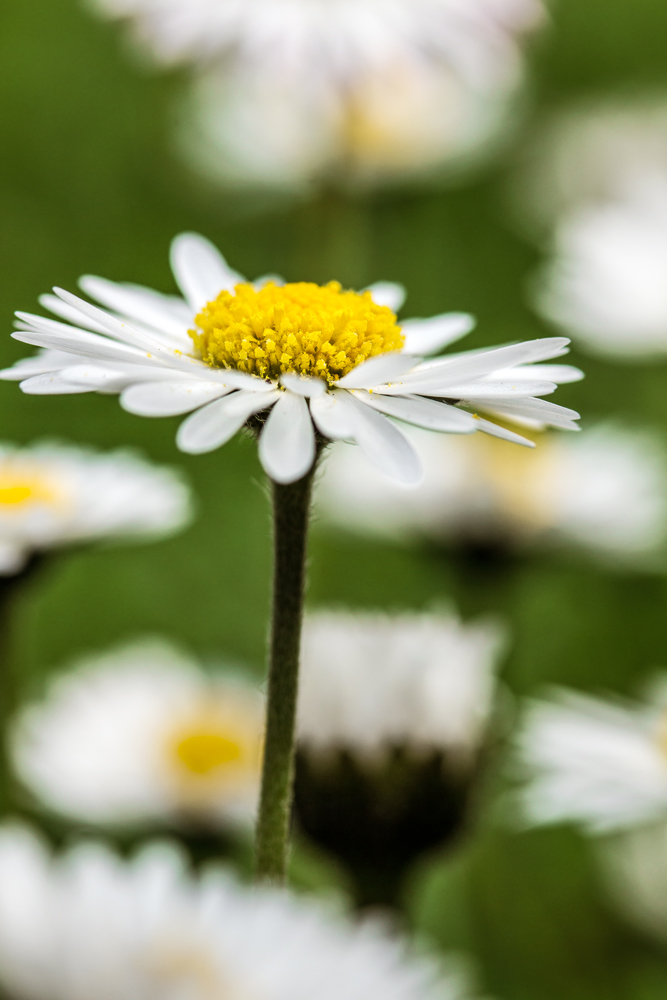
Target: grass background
(88,184)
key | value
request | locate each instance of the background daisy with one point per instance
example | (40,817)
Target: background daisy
(142,735)
(54,495)
(604,490)
(88,922)
(393,717)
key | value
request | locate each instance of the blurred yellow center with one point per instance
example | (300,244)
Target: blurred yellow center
(203,752)
(303,328)
(20,490)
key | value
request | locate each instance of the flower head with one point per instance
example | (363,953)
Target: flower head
(604,489)
(372,681)
(53,495)
(605,284)
(141,735)
(293,91)
(212,356)
(88,924)
(393,715)
(596,762)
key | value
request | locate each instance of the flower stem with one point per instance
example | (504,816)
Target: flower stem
(291,514)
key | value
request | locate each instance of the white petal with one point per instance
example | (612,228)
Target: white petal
(494,430)
(376,371)
(138,303)
(333,417)
(213,425)
(62,309)
(124,332)
(422,412)
(287,442)
(387,293)
(427,336)
(242,380)
(303,385)
(168,399)
(79,342)
(44,361)
(53,384)
(561,374)
(477,364)
(384,445)
(540,412)
(492,389)
(200,270)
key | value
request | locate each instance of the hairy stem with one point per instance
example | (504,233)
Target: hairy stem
(291,513)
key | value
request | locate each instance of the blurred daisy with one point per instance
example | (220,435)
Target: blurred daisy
(141,735)
(605,284)
(635,867)
(293,89)
(596,762)
(393,715)
(590,154)
(53,495)
(604,489)
(289,359)
(88,924)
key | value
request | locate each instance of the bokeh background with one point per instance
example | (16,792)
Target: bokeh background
(89,184)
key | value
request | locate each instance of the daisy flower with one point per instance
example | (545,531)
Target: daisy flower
(604,284)
(634,864)
(142,735)
(89,924)
(393,714)
(289,91)
(589,154)
(297,361)
(53,495)
(594,761)
(604,489)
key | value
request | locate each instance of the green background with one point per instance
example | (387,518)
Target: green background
(88,183)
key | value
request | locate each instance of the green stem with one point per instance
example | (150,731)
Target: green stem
(291,513)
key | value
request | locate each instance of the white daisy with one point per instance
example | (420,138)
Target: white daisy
(600,763)
(604,489)
(393,714)
(373,681)
(290,91)
(587,154)
(253,129)
(634,864)
(334,37)
(88,924)
(294,359)
(605,283)
(53,495)
(141,735)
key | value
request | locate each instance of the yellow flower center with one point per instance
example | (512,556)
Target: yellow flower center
(203,752)
(303,328)
(215,748)
(19,488)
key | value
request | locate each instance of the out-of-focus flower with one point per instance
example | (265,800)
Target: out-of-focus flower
(589,154)
(599,763)
(393,715)
(142,735)
(295,90)
(318,358)
(605,284)
(634,864)
(90,925)
(604,489)
(53,495)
